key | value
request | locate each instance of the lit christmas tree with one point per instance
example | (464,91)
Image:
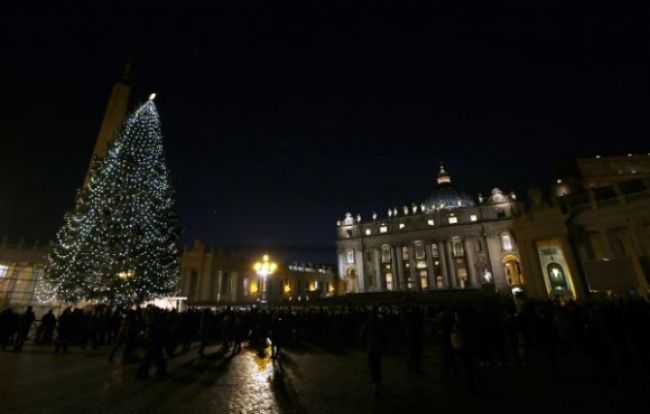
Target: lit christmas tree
(119,244)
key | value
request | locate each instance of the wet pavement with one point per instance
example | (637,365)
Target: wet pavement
(306,380)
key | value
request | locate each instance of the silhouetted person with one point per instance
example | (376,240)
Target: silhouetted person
(414,338)
(467,326)
(46,329)
(205,330)
(64,331)
(449,339)
(238,333)
(373,338)
(278,336)
(8,326)
(126,337)
(24,324)
(172,338)
(157,337)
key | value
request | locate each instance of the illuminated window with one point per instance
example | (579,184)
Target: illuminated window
(383,229)
(473,217)
(402,225)
(419,250)
(3,270)
(409,283)
(453,220)
(506,242)
(457,247)
(389,281)
(385,254)
(421,264)
(349,257)
(405,253)
(434,250)
(246,286)
(368,232)
(424,279)
(440,284)
(430,222)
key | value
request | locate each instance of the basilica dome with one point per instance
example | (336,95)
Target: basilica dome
(446,196)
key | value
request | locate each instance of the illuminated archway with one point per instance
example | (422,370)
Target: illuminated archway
(513,269)
(352,282)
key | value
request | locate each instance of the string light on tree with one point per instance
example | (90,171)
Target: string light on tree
(119,243)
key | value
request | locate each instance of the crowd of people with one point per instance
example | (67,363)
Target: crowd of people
(467,336)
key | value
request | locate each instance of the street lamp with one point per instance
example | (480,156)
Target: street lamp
(264,269)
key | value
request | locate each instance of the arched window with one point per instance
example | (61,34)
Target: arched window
(385,254)
(389,281)
(424,280)
(506,242)
(419,250)
(349,256)
(457,246)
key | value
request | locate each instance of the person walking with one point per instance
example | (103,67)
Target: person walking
(414,328)
(278,330)
(8,324)
(157,337)
(373,338)
(24,325)
(64,331)
(46,329)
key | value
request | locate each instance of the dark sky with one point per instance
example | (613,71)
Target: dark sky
(280,118)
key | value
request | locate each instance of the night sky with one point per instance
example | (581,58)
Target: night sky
(280,118)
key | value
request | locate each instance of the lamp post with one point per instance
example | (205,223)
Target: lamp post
(264,269)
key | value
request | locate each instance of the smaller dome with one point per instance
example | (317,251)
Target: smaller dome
(446,196)
(443,176)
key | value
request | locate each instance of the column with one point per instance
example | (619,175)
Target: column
(635,250)
(577,277)
(431,277)
(376,259)
(453,283)
(470,259)
(219,286)
(394,258)
(415,272)
(443,264)
(398,271)
(536,278)
(488,259)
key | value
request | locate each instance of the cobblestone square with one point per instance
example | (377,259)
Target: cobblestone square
(305,380)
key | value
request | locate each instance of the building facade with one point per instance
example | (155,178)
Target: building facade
(593,233)
(211,277)
(449,241)
(21,277)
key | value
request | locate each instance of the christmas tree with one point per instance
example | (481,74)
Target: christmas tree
(119,243)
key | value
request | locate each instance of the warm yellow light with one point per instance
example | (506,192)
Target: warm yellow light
(287,289)
(331,288)
(253,288)
(125,275)
(265,267)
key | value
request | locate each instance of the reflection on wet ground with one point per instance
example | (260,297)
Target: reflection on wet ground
(249,382)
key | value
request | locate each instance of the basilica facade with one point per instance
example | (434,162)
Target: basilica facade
(449,241)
